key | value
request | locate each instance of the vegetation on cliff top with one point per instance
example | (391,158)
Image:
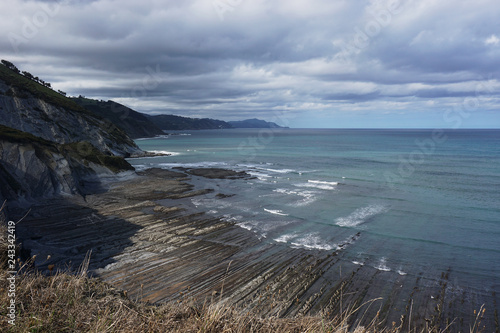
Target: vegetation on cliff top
(135,124)
(21,86)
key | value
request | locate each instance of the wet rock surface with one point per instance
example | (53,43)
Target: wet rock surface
(146,239)
(216,173)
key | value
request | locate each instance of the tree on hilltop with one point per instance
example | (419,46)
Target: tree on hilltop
(10,66)
(28,75)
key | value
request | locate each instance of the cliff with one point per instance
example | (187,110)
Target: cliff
(30,107)
(32,167)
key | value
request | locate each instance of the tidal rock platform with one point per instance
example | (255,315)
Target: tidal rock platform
(145,238)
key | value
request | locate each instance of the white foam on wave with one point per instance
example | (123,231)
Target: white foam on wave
(256,226)
(360,215)
(164,136)
(322,182)
(358,263)
(313,241)
(329,186)
(382,265)
(275,212)
(259,175)
(400,272)
(285,238)
(233,219)
(278,170)
(308,197)
(171,153)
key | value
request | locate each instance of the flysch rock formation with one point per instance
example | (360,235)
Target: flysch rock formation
(144,238)
(33,168)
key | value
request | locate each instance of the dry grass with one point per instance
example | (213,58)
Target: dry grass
(75,303)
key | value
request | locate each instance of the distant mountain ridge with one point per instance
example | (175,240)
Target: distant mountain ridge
(253,123)
(171,122)
(141,125)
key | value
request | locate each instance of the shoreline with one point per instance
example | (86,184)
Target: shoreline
(146,239)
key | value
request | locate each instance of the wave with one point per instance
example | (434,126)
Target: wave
(259,175)
(171,153)
(382,266)
(313,241)
(360,215)
(308,197)
(285,238)
(322,182)
(164,136)
(278,170)
(232,219)
(275,212)
(256,226)
(319,184)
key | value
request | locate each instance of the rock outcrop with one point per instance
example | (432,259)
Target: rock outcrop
(31,167)
(30,107)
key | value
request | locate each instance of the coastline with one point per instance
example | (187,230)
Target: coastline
(148,240)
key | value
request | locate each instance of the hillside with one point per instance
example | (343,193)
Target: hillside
(171,122)
(51,146)
(33,108)
(253,123)
(135,124)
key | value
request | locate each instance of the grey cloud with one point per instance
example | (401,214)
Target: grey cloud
(263,55)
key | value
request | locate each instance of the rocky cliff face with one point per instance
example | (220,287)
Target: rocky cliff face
(50,146)
(31,167)
(21,110)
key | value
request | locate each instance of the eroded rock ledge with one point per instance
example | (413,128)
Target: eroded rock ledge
(146,240)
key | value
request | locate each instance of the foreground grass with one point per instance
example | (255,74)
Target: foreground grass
(76,303)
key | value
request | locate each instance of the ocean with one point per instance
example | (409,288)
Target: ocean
(411,202)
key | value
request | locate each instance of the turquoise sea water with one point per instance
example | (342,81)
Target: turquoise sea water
(408,201)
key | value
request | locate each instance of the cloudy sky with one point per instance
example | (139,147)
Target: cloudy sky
(314,63)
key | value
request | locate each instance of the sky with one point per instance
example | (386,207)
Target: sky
(303,64)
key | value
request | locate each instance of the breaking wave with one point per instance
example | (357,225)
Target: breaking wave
(360,216)
(275,212)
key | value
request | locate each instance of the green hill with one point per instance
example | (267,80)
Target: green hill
(171,122)
(137,125)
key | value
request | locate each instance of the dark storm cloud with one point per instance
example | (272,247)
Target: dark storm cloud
(255,57)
